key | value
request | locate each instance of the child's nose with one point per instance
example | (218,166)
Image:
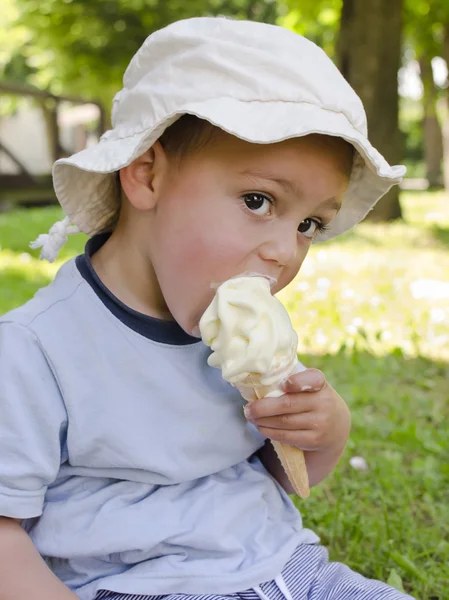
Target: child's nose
(281,248)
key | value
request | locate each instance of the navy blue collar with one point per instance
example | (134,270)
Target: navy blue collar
(167,332)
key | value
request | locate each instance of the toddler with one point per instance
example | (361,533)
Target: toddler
(129,469)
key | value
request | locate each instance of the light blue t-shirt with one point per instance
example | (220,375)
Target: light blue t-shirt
(128,455)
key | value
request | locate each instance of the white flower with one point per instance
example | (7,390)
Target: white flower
(320,338)
(308,268)
(25,257)
(323,283)
(438,315)
(302,286)
(358,463)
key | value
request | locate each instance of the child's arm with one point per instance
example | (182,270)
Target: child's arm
(23,573)
(33,427)
(312,416)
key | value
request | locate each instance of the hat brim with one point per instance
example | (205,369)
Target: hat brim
(86,184)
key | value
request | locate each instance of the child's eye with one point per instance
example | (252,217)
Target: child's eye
(309,227)
(258,203)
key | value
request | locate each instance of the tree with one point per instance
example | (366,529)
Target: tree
(433,138)
(445,54)
(430,34)
(424,36)
(369,56)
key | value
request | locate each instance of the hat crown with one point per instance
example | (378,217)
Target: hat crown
(207,58)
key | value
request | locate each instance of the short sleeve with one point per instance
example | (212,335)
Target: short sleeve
(32,423)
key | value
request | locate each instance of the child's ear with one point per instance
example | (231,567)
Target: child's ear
(141,180)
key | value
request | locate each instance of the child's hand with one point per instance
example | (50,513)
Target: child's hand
(310,415)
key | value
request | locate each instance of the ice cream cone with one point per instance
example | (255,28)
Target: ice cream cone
(294,464)
(254,344)
(292,459)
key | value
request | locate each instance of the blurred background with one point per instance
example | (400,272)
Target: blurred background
(371,308)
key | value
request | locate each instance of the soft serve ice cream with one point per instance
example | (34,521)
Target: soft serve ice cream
(249,332)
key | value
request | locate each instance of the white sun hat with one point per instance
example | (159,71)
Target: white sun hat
(258,82)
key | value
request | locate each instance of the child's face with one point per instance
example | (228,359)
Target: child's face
(238,207)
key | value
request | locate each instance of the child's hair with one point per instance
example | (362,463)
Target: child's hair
(190,134)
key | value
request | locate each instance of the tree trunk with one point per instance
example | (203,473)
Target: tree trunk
(433,139)
(369,56)
(433,149)
(49,109)
(445,127)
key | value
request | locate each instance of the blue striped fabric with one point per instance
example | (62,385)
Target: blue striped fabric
(307,576)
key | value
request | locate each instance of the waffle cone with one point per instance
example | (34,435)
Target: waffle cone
(292,459)
(294,464)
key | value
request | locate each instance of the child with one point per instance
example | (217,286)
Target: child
(127,462)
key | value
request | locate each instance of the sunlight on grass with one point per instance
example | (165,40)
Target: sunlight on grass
(422,208)
(20,276)
(378,288)
(21,271)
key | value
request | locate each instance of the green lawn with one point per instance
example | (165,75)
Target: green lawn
(366,315)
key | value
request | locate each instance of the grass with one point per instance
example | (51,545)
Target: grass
(372,313)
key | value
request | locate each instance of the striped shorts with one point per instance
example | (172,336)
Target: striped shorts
(307,576)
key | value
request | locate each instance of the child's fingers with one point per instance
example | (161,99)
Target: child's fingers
(286,404)
(310,380)
(303,421)
(307,440)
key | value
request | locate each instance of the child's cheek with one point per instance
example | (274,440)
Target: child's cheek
(221,258)
(213,251)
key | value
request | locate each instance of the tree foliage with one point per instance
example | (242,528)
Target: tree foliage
(318,20)
(12,39)
(424,22)
(84,46)
(13,65)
